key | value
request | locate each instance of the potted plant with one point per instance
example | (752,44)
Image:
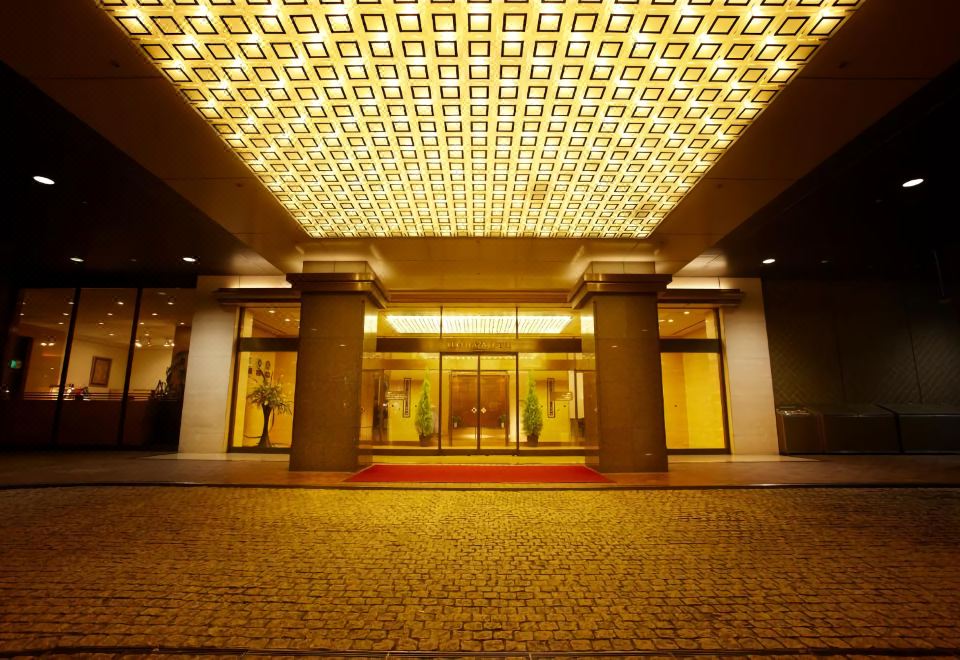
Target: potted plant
(456,420)
(503,420)
(271,399)
(532,413)
(424,419)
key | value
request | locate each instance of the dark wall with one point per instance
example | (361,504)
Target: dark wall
(7,301)
(862,342)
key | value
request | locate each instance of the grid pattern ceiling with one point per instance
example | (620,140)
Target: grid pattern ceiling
(557,118)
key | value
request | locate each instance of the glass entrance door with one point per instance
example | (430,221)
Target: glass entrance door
(479,402)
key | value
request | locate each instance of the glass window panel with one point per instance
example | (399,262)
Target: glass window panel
(399,380)
(155,394)
(33,365)
(559,388)
(692,323)
(264,377)
(693,401)
(37,344)
(271,322)
(97,367)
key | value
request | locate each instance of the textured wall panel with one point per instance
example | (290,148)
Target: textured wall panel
(861,342)
(803,351)
(873,338)
(935,329)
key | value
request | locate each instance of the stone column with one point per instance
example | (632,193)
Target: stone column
(327,402)
(206,396)
(626,343)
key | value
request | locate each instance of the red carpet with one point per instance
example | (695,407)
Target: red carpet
(480,474)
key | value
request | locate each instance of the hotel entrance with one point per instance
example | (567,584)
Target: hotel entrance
(481,401)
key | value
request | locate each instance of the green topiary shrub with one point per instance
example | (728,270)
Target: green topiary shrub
(532,412)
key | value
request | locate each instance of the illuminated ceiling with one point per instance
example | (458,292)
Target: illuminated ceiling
(504,118)
(479,324)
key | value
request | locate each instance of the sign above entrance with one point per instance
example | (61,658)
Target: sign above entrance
(478,345)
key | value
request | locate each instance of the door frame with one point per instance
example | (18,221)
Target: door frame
(478,450)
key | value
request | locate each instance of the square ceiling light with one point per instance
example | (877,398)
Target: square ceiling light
(441,118)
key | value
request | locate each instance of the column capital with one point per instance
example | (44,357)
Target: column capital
(593,284)
(366,284)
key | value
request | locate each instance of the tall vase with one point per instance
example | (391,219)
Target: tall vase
(265,436)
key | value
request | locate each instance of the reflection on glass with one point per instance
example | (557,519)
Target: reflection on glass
(692,400)
(97,366)
(405,406)
(560,381)
(159,369)
(33,365)
(692,323)
(271,322)
(37,342)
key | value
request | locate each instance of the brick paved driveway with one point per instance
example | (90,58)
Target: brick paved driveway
(481,570)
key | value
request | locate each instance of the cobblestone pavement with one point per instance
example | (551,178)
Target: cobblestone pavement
(795,571)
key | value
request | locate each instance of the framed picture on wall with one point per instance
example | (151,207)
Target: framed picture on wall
(100,372)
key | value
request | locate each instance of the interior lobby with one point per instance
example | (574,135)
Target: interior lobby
(604,232)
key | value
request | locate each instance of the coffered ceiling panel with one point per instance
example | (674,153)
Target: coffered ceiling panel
(497,118)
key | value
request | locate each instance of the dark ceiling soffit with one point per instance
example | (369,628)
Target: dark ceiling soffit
(616,283)
(706,297)
(333,283)
(543,296)
(360,283)
(274,296)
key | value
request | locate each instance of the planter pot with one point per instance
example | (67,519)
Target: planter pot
(425,440)
(265,435)
(533,439)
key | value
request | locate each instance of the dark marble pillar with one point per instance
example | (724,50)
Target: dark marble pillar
(326,420)
(327,403)
(626,344)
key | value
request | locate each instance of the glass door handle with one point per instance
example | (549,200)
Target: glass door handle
(473,410)
(483,410)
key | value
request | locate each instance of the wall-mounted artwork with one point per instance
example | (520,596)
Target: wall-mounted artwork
(100,372)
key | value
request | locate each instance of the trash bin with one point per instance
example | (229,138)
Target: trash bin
(857,428)
(798,431)
(927,427)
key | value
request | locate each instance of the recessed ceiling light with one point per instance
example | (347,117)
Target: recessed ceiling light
(686,313)
(769,261)
(190,260)
(912,182)
(78,260)
(45,180)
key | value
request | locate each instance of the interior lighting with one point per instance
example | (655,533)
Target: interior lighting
(190,260)
(769,261)
(77,260)
(479,324)
(45,180)
(912,182)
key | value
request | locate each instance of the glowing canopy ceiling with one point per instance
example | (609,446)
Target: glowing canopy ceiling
(503,118)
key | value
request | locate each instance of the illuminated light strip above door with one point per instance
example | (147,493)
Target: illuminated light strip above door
(539,119)
(479,324)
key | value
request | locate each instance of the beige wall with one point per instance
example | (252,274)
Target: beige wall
(81,360)
(149,366)
(753,428)
(203,428)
